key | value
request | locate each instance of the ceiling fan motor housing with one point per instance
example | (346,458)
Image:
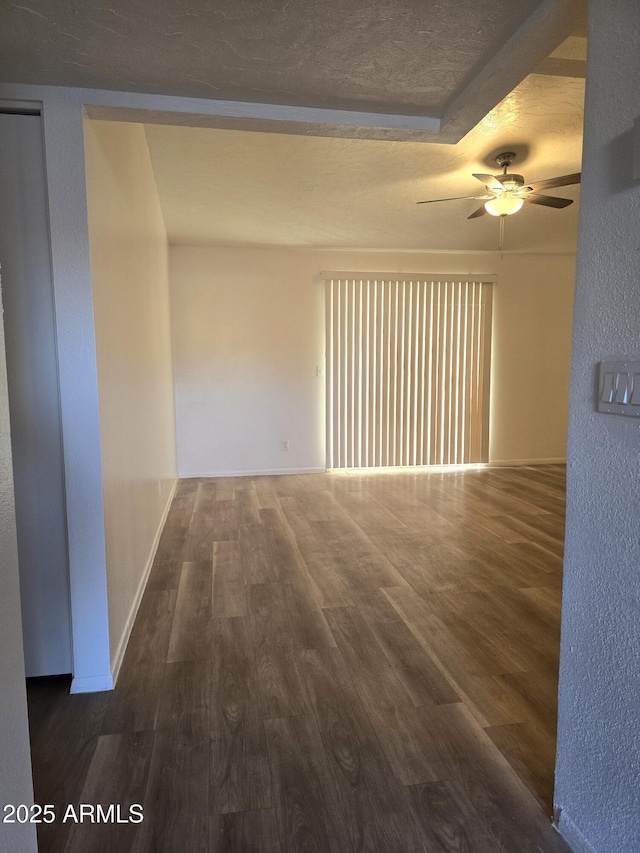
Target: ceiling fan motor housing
(510,180)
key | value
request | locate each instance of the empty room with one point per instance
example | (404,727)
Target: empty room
(317,322)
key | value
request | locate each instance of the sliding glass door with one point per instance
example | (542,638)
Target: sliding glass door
(408,363)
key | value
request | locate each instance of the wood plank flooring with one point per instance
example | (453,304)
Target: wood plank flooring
(345,663)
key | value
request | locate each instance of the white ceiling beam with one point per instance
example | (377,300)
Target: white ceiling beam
(551,23)
(126,106)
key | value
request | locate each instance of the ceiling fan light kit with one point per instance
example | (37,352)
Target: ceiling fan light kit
(507,193)
(503,205)
(509,189)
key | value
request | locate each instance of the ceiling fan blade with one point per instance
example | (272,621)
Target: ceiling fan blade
(479,212)
(454,198)
(490,182)
(561,181)
(548,200)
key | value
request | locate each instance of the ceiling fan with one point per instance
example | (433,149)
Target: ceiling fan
(507,193)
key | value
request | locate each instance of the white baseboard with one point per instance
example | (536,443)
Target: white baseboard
(122,645)
(261,472)
(266,472)
(92,684)
(514,463)
(572,835)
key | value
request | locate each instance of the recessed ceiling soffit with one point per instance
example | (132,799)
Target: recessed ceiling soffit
(415,70)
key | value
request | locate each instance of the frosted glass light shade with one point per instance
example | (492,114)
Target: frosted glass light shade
(503,205)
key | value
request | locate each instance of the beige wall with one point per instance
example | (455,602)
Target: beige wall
(129,265)
(532,315)
(248,333)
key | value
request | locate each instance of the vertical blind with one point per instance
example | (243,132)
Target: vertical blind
(407,371)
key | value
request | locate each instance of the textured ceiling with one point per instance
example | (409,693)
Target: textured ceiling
(395,80)
(239,188)
(409,56)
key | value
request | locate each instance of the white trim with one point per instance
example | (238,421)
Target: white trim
(78,386)
(91,684)
(20,107)
(514,463)
(258,472)
(122,645)
(572,835)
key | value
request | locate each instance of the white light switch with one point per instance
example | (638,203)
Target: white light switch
(622,388)
(619,388)
(608,386)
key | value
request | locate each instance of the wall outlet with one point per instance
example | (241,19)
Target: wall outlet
(284,444)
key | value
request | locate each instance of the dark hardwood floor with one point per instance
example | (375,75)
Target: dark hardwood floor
(333,663)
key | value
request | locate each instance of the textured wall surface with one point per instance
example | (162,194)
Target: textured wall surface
(129,264)
(15,766)
(248,332)
(598,767)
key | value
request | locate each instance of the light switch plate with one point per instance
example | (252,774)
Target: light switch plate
(619,388)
